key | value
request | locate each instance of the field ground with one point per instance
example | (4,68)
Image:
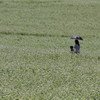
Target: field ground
(35,60)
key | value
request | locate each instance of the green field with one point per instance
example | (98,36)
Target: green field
(35,59)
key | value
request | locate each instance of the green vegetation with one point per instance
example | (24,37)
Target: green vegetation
(35,59)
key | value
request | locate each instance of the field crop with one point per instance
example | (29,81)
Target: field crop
(35,59)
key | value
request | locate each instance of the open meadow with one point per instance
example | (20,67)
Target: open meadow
(35,58)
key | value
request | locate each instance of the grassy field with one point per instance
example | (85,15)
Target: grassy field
(35,59)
